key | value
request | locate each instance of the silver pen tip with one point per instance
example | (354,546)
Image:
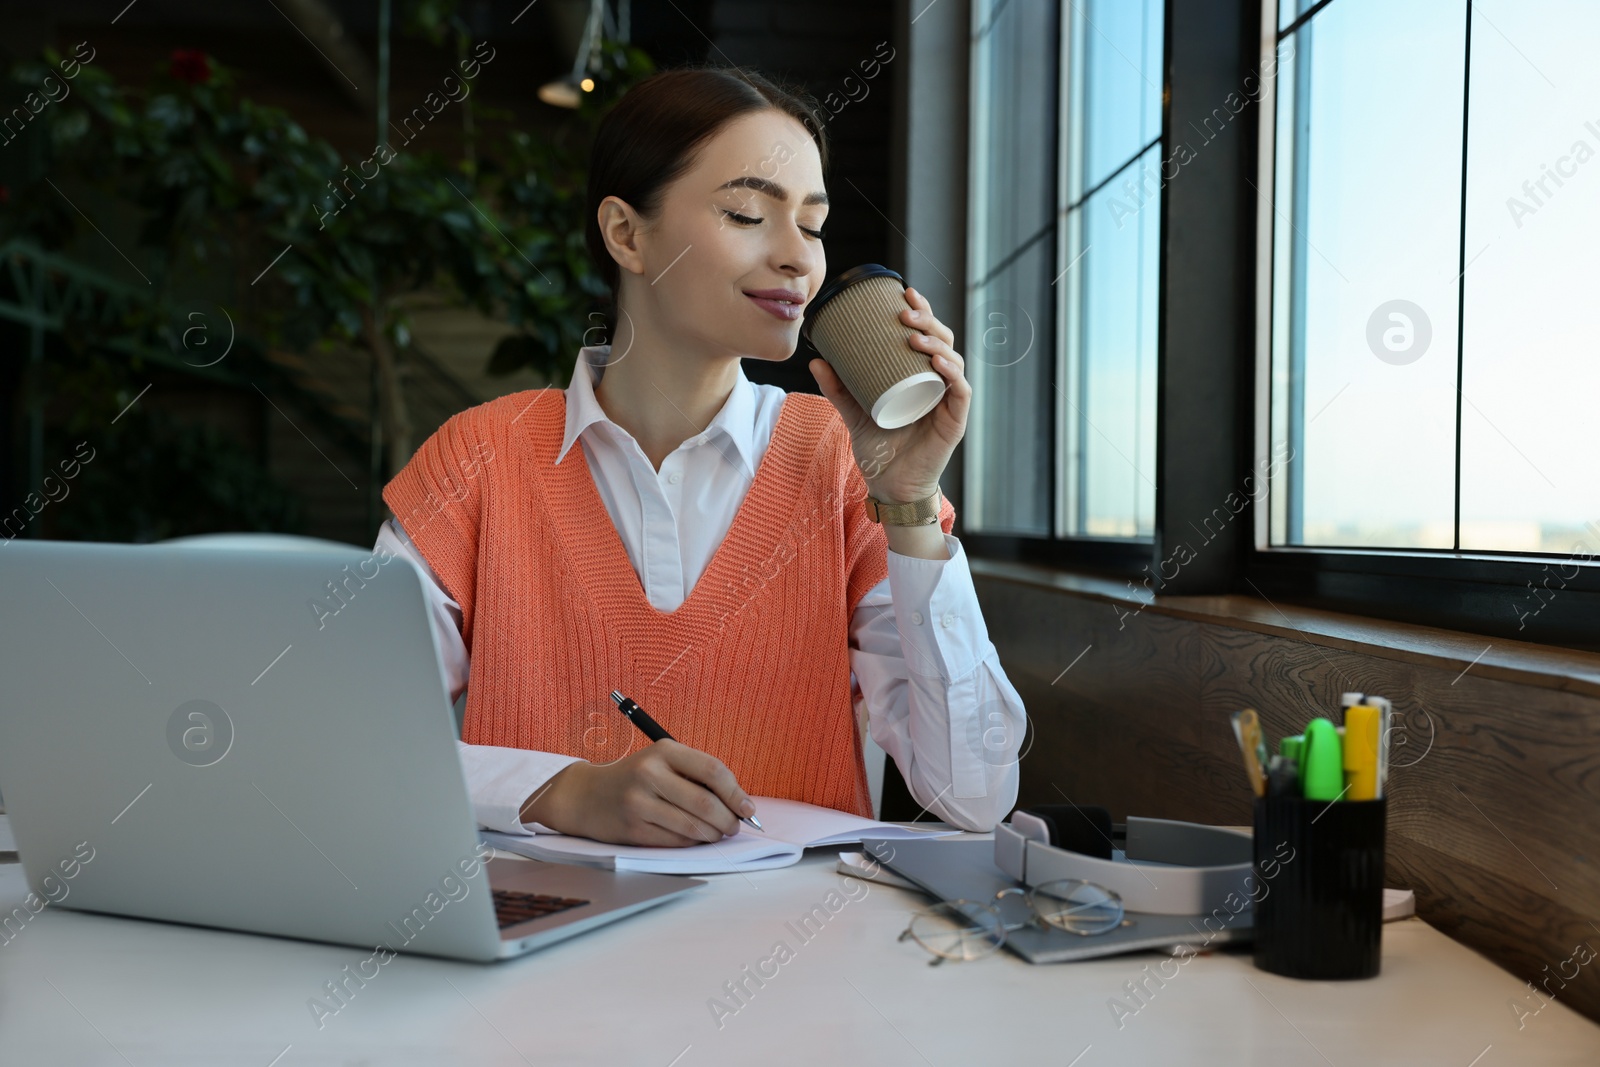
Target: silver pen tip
(753,821)
(618,697)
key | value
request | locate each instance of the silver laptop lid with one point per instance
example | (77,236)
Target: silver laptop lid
(203,733)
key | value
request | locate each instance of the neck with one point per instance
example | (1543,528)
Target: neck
(662,394)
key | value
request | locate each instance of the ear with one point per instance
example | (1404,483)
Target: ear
(621,229)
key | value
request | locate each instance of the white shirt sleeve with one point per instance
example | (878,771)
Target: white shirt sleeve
(936,698)
(499,779)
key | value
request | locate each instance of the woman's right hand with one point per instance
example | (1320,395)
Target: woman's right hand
(665,794)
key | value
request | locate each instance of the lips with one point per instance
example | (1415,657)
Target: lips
(789,312)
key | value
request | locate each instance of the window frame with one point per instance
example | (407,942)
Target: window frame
(1215,284)
(1121,557)
(1517,596)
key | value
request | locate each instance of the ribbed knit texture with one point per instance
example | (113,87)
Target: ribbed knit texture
(753,667)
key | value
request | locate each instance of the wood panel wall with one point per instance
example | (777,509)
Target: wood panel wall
(1494,817)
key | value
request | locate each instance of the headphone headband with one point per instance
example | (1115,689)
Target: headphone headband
(1166,867)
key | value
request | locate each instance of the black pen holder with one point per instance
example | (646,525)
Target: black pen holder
(1319,887)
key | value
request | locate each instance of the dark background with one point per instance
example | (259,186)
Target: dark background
(314,461)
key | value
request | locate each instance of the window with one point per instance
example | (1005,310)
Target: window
(1064,224)
(1405,226)
(1436,202)
(1009,469)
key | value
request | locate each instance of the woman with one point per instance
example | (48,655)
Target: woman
(666,528)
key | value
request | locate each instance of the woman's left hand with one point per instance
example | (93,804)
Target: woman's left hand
(905,464)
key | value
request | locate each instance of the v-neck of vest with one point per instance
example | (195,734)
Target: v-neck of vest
(789,455)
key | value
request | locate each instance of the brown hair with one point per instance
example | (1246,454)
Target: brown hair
(650,137)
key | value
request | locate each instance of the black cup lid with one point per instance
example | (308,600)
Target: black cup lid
(839,285)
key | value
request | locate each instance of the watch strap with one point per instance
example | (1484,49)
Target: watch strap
(924,512)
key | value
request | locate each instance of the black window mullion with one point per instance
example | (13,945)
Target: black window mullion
(1305,17)
(1206,291)
(1461,275)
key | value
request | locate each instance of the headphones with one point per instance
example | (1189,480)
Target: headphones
(1157,866)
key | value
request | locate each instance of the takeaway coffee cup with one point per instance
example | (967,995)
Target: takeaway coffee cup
(855,324)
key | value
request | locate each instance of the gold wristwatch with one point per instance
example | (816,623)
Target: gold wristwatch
(924,512)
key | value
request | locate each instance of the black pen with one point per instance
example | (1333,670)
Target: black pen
(654,732)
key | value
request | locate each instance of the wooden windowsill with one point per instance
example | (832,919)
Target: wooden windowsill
(1514,661)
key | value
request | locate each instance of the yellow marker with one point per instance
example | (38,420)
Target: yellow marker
(1247,728)
(1361,752)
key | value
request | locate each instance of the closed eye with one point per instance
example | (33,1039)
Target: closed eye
(745,220)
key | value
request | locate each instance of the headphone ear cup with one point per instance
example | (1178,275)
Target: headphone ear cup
(1042,814)
(1081,828)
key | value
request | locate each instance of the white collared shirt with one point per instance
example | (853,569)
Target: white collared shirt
(925,676)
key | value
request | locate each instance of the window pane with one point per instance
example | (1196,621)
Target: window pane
(1008,490)
(1013,59)
(1529,374)
(1122,74)
(1012,190)
(1107,271)
(1112,347)
(1367,235)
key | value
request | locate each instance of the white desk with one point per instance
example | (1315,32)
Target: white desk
(85,990)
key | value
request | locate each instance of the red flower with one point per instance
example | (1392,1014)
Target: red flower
(191,65)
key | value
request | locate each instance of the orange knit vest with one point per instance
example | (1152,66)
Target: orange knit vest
(753,667)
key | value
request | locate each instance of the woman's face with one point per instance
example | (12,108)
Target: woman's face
(743,219)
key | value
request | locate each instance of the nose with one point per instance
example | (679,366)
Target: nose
(795,254)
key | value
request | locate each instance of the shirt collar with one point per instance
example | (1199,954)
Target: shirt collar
(735,423)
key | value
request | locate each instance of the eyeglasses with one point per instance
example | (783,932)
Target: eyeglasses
(968,929)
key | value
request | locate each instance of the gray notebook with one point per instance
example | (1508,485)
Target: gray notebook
(956,870)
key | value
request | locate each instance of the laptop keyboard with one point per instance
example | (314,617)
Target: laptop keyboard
(511,908)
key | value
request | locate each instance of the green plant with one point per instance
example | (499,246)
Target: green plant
(223,185)
(541,182)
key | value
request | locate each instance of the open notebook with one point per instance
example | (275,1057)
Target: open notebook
(792,827)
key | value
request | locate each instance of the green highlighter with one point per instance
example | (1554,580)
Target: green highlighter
(1322,761)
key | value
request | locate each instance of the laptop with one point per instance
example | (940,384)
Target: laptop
(253,733)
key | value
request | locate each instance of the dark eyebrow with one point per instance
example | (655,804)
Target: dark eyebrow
(772,189)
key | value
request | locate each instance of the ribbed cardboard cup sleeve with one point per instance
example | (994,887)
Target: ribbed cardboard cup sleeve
(860,334)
